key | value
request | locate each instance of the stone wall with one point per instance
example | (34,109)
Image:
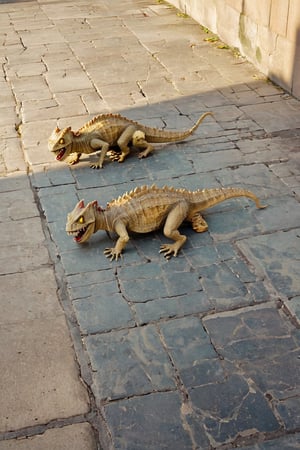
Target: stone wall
(267,32)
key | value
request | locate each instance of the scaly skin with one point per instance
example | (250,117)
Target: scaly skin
(148,208)
(108,130)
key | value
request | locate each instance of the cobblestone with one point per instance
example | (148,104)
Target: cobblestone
(199,352)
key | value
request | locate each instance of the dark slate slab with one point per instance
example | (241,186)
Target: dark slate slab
(89,256)
(150,281)
(288,442)
(282,213)
(265,347)
(278,254)
(150,422)
(192,352)
(58,201)
(232,407)
(258,178)
(103,313)
(129,362)
(219,282)
(52,177)
(176,306)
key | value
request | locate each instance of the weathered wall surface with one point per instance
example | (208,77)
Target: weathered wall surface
(267,32)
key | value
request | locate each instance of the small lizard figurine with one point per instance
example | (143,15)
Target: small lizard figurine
(108,130)
(148,208)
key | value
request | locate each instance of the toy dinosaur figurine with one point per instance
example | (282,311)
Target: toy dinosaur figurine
(148,208)
(108,130)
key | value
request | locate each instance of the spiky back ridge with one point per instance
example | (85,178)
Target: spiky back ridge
(106,122)
(203,198)
(105,119)
(141,191)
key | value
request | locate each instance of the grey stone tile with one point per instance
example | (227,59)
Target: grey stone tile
(153,421)
(289,442)
(51,176)
(275,116)
(219,282)
(192,352)
(129,363)
(163,308)
(235,221)
(264,346)
(256,178)
(58,201)
(138,285)
(277,254)
(103,313)
(206,162)
(294,307)
(230,408)
(282,213)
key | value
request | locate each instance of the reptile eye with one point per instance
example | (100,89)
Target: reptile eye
(81,219)
(61,141)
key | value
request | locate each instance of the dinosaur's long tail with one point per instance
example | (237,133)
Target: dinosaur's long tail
(207,198)
(156,135)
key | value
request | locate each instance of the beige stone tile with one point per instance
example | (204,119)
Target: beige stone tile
(13,183)
(17,258)
(25,233)
(27,296)
(12,153)
(40,36)
(17,205)
(72,437)
(68,80)
(39,377)
(36,134)
(8,115)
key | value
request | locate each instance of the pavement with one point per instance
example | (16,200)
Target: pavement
(199,352)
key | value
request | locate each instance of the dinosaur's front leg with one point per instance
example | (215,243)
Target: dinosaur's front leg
(74,158)
(98,144)
(116,251)
(175,218)
(124,140)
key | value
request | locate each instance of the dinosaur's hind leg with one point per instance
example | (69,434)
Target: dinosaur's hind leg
(198,223)
(175,218)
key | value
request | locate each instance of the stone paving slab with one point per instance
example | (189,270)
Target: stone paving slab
(77,437)
(42,391)
(197,352)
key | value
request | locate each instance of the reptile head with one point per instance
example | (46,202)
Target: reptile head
(60,143)
(81,221)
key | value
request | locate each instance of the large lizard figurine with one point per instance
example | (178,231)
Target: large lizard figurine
(108,130)
(148,208)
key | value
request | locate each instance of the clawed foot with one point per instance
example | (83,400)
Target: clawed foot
(143,154)
(112,254)
(73,161)
(96,166)
(114,155)
(169,250)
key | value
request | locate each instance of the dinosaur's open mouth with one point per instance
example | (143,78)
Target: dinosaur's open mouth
(79,235)
(61,153)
